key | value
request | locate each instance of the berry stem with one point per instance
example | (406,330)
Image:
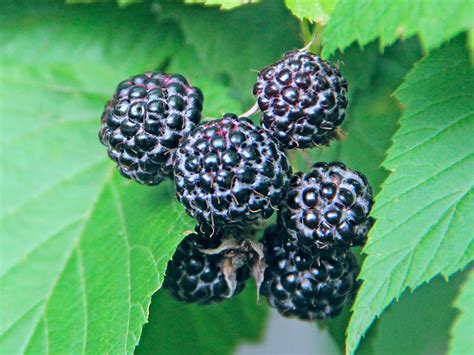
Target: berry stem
(308,46)
(208,119)
(313,38)
(250,112)
(305,32)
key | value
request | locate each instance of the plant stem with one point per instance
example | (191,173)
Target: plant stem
(312,39)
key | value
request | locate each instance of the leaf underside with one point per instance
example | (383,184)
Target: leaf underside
(195,329)
(403,328)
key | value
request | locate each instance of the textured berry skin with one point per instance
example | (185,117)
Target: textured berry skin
(229,172)
(303,99)
(196,277)
(327,207)
(145,121)
(308,287)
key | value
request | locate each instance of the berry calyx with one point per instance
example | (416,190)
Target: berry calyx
(207,270)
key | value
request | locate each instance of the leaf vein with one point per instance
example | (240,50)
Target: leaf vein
(425,182)
(47,298)
(127,243)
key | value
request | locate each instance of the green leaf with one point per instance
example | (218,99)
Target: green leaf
(224,4)
(365,20)
(424,212)
(462,341)
(314,10)
(82,249)
(404,329)
(175,327)
(235,45)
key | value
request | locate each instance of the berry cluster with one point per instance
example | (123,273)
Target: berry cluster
(230,174)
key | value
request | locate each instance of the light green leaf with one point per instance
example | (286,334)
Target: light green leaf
(175,327)
(425,218)
(224,4)
(314,10)
(363,21)
(462,341)
(82,249)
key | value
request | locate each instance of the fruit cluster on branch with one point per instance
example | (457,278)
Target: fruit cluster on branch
(230,174)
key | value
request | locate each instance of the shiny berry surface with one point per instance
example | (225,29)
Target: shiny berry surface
(328,207)
(145,121)
(303,100)
(230,172)
(194,276)
(304,286)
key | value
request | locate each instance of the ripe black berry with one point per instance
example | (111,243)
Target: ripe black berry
(144,122)
(308,287)
(303,99)
(197,274)
(327,207)
(229,172)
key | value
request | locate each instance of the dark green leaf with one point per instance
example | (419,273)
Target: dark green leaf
(192,329)
(462,341)
(236,44)
(217,94)
(416,324)
(119,2)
